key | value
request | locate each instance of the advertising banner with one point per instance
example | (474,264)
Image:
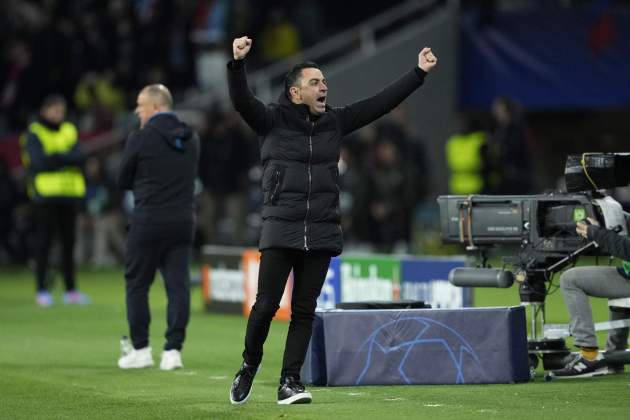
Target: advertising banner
(331,292)
(222,278)
(251,263)
(370,278)
(426,279)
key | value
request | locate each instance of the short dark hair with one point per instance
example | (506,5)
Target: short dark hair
(53,99)
(294,74)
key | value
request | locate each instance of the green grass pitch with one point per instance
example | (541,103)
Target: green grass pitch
(60,363)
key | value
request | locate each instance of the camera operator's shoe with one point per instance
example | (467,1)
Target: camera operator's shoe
(136,359)
(291,391)
(580,367)
(171,360)
(570,358)
(242,384)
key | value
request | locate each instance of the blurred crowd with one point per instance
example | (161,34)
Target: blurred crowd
(384,176)
(492,153)
(385,180)
(99,54)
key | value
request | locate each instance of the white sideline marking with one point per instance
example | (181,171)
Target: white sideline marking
(186,373)
(217,378)
(394,399)
(433,405)
(356,394)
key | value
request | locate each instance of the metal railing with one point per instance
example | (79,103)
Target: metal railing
(361,39)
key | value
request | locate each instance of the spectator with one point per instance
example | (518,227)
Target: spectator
(467,159)
(101,219)
(510,149)
(99,99)
(9,197)
(309,19)
(279,38)
(391,197)
(226,156)
(18,79)
(51,155)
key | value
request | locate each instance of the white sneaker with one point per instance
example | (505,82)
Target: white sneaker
(171,360)
(136,359)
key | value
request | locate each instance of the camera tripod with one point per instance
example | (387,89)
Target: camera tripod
(546,342)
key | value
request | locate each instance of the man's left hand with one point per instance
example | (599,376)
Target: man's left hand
(426,59)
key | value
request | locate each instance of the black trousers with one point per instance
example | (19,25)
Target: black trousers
(164,247)
(309,274)
(55,219)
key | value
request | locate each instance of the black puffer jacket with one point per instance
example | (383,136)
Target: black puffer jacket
(299,154)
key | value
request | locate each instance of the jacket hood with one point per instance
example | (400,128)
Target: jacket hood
(175,132)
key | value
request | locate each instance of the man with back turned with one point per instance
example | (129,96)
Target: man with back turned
(159,165)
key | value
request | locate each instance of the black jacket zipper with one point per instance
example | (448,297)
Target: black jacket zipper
(274,195)
(308,168)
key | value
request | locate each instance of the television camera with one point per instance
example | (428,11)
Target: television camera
(537,232)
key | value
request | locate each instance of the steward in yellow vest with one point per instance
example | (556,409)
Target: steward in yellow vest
(466,158)
(51,157)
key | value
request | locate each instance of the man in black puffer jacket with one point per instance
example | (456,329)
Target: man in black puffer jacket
(577,284)
(299,142)
(159,165)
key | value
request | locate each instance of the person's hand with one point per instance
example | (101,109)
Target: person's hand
(582,227)
(240,47)
(426,59)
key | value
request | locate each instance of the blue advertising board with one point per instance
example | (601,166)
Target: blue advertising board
(331,291)
(426,279)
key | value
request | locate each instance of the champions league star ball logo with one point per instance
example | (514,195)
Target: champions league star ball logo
(416,345)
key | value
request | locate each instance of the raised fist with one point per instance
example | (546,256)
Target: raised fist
(240,47)
(426,59)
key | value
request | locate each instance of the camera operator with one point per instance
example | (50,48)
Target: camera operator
(577,284)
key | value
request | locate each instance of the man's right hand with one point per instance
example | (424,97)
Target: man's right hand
(582,227)
(240,47)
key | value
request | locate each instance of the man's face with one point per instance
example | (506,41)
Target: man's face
(145,108)
(312,90)
(55,113)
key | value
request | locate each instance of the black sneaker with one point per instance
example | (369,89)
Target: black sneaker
(242,384)
(580,367)
(570,358)
(291,391)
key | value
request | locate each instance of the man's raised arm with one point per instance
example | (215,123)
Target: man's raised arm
(363,112)
(253,111)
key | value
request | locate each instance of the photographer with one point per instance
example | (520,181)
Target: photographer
(577,284)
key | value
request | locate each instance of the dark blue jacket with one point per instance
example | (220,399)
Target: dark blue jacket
(160,165)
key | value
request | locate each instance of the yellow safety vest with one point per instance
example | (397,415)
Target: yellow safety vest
(63,182)
(463,154)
